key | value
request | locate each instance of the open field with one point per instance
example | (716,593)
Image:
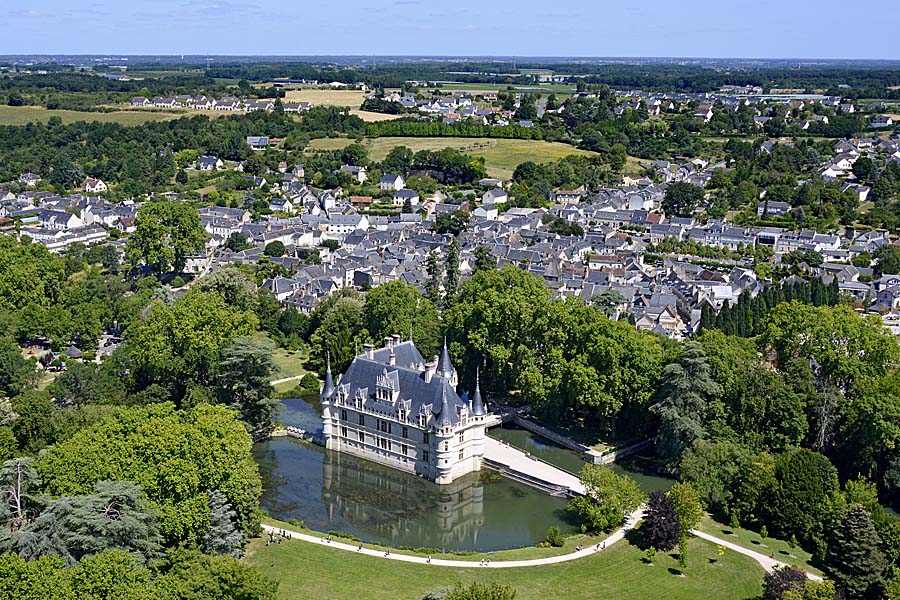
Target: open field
(501,156)
(554,88)
(306,570)
(373,117)
(349,98)
(20,115)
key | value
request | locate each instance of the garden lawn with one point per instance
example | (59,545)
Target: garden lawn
(501,156)
(306,570)
(780,549)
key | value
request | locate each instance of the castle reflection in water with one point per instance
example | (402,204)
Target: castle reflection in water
(400,507)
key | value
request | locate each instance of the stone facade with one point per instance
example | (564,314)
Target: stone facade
(393,408)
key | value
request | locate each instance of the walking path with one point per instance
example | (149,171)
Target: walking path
(768,563)
(286,379)
(617,535)
(517,460)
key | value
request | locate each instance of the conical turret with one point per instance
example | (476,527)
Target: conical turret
(477,404)
(328,389)
(445,367)
(445,417)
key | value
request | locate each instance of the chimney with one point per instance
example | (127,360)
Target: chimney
(396,338)
(393,358)
(369,351)
(388,342)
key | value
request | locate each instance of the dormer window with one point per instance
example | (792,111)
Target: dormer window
(401,414)
(422,421)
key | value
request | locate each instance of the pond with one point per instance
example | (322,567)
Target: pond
(568,460)
(333,491)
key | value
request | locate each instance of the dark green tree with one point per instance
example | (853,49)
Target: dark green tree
(484,259)
(166,232)
(243,378)
(681,199)
(274,249)
(855,559)
(451,270)
(434,283)
(685,391)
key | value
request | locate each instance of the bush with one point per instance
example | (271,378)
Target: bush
(555,538)
(177,282)
(309,383)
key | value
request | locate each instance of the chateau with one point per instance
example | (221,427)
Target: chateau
(393,408)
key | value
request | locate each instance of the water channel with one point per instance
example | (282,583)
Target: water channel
(333,491)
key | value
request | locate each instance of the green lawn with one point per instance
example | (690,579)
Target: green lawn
(780,549)
(306,570)
(290,364)
(501,156)
(20,115)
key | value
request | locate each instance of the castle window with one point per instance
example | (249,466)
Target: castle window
(460,455)
(343,432)
(425,437)
(400,415)
(422,421)
(462,436)
(343,414)
(404,449)
(426,456)
(405,432)
(362,420)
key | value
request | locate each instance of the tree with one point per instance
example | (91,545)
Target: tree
(660,529)
(608,498)
(453,222)
(783,579)
(114,517)
(243,377)
(236,242)
(482,591)
(435,278)
(686,502)
(16,373)
(86,383)
(398,160)
(682,199)
(801,496)
(188,575)
(888,257)
(166,232)
(175,456)
(222,537)
(17,478)
(865,169)
(608,302)
(451,269)
(181,177)
(397,308)
(854,557)
(274,249)
(684,393)
(484,259)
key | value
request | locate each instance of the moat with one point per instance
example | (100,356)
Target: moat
(333,491)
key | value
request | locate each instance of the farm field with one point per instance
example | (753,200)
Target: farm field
(502,156)
(306,570)
(348,98)
(374,117)
(20,115)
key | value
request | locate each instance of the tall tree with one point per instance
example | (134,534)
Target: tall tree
(686,502)
(682,199)
(484,259)
(17,480)
(243,378)
(166,232)
(16,373)
(684,393)
(451,268)
(660,528)
(855,559)
(434,282)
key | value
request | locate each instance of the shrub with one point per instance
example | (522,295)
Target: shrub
(555,538)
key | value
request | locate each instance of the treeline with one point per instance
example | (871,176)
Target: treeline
(415,128)
(747,317)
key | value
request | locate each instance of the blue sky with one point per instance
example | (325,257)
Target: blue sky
(718,28)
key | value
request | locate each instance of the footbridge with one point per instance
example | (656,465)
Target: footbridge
(521,466)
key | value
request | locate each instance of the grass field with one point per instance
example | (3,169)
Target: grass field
(556,88)
(372,117)
(350,98)
(502,156)
(306,570)
(20,115)
(782,551)
(290,364)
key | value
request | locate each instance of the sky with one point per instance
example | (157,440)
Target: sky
(653,28)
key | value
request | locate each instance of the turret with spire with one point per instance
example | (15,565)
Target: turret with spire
(328,389)
(477,404)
